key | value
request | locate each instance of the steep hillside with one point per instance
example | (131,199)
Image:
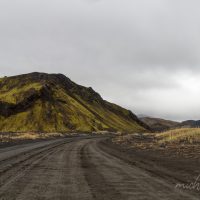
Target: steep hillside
(157,124)
(52,102)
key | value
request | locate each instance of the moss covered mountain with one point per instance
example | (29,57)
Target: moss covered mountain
(52,102)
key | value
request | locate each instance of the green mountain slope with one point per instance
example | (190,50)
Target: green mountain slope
(52,102)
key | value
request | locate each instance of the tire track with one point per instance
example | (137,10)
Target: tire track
(131,182)
(80,169)
(53,172)
(17,167)
(101,189)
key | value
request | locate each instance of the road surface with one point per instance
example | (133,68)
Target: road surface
(77,169)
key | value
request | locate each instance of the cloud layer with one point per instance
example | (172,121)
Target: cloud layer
(141,54)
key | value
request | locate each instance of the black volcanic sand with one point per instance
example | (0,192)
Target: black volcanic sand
(176,163)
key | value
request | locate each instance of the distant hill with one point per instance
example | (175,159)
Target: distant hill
(142,116)
(190,124)
(53,103)
(157,124)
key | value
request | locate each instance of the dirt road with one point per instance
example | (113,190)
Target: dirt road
(77,169)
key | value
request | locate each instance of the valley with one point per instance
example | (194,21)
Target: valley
(60,140)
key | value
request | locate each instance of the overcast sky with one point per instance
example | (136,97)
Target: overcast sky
(141,54)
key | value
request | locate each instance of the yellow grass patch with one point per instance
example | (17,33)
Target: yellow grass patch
(8,137)
(186,135)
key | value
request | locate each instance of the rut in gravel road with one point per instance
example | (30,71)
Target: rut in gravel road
(78,169)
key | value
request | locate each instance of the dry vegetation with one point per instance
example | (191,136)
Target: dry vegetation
(136,140)
(17,137)
(183,135)
(178,136)
(184,141)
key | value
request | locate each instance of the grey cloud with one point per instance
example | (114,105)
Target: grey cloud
(135,53)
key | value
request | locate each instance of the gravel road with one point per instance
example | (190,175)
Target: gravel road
(77,169)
